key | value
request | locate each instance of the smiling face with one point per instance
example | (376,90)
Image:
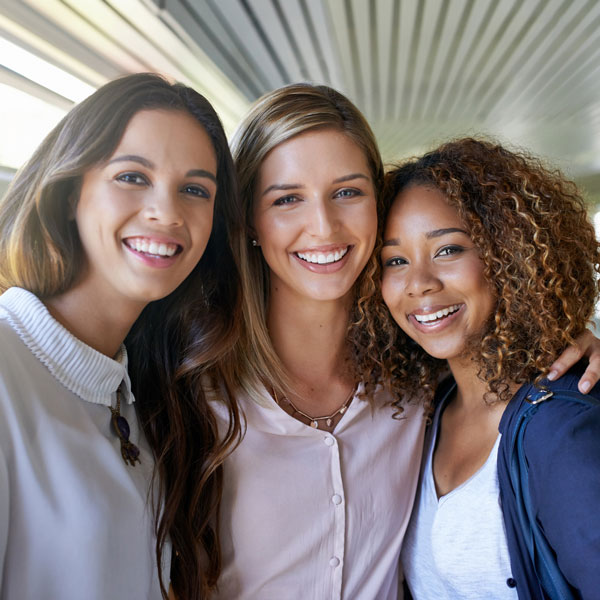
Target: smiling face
(315,214)
(145,215)
(433,277)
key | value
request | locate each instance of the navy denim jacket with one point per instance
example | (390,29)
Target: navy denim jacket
(562,447)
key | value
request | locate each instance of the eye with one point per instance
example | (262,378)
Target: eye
(450,250)
(285,200)
(395,261)
(132,178)
(195,190)
(348,193)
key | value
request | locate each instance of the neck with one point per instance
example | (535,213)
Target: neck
(470,389)
(310,339)
(96,322)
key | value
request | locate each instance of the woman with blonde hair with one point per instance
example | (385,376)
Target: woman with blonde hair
(490,268)
(317,496)
(107,232)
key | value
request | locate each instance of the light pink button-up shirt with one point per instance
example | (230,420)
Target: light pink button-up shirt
(317,516)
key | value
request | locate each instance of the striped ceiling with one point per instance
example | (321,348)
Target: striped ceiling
(525,71)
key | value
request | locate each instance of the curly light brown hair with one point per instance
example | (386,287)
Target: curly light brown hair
(540,253)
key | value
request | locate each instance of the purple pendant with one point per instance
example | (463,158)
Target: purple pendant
(129,451)
(121,427)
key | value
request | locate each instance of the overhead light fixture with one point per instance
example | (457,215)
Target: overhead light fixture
(42,72)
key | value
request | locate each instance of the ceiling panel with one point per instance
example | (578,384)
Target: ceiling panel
(526,71)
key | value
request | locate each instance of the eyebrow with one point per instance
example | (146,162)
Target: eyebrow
(296,186)
(351,176)
(429,235)
(201,173)
(439,232)
(150,165)
(132,158)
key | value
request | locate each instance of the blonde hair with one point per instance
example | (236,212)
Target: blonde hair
(273,119)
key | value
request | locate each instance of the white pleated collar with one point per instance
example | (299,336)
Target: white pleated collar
(84,371)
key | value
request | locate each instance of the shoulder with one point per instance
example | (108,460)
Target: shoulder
(12,348)
(565,400)
(561,434)
(567,409)
(562,427)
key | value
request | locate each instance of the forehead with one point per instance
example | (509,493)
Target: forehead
(421,207)
(163,134)
(327,153)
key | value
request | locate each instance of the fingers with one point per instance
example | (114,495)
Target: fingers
(587,344)
(571,356)
(591,376)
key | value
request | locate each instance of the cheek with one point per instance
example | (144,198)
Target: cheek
(263,225)
(368,220)
(202,226)
(278,233)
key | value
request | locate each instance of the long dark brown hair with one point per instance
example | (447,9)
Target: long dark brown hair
(179,345)
(541,258)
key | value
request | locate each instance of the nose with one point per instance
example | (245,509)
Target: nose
(163,206)
(422,280)
(324,220)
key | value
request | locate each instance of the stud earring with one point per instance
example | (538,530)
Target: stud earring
(255,242)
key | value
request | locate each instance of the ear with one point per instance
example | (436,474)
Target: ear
(252,235)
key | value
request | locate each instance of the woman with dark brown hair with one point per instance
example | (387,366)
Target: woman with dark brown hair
(490,267)
(117,227)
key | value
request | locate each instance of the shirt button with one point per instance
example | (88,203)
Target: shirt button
(334,561)
(329,441)
(511,583)
(336,499)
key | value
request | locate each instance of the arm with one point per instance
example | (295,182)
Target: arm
(562,445)
(588,345)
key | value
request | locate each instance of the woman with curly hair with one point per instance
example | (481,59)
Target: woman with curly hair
(490,267)
(317,496)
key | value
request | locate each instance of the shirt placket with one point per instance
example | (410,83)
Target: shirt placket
(338,506)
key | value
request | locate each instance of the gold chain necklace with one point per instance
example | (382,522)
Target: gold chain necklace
(314,421)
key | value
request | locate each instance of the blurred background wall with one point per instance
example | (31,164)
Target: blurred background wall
(524,71)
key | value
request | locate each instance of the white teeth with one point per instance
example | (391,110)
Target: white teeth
(437,315)
(322,259)
(151,247)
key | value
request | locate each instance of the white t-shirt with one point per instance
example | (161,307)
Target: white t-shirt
(75,520)
(455,547)
(313,515)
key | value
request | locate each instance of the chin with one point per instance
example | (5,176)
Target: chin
(331,297)
(152,295)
